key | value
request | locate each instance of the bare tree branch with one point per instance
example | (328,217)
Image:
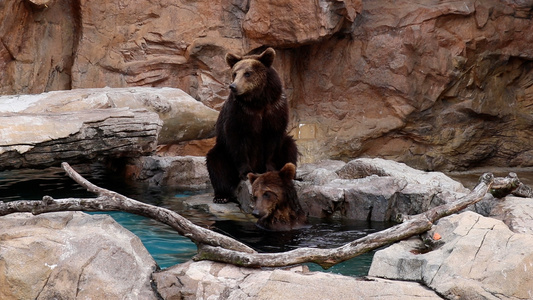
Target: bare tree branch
(326,258)
(112,201)
(217,247)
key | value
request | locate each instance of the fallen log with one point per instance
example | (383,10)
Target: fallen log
(412,225)
(42,140)
(217,247)
(111,201)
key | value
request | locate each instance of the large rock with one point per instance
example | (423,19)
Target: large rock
(188,172)
(72,255)
(209,280)
(440,86)
(78,125)
(363,167)
(183,118)
(372,189)
(47,139)
(479,258)
(515,212)
(362,189)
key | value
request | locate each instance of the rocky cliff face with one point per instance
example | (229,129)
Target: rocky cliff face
(440,85)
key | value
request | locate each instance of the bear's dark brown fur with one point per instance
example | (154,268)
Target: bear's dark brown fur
(251,127)
(275,202)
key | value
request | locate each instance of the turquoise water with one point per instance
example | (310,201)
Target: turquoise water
(164,244)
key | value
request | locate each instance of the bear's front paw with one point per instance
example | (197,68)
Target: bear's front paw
(220,200)
(224,200)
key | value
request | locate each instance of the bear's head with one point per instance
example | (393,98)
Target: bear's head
(274,199)
(252,73)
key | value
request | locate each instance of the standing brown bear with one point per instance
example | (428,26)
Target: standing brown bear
(275,202)
(251,128)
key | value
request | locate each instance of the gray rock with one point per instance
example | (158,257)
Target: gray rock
(369,198)
(363,167)
(72,255)
(171,171)
(515,212)
(480,258)
(210,280)
(320,200)
(47,139)
(183,117)
(320,172)
(372,189)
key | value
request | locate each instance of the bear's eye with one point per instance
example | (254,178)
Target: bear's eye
(247,74)
(267,195)
(233,76)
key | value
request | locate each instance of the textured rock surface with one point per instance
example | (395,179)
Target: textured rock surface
(480,258)
(440,85)
(362,189)
(372,189)
(207,280)
(72,255)
(76,125)
(296,23)
(515,212)
(183,118)
(47,139)
(172,171)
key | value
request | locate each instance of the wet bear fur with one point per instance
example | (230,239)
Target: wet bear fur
(274,200)
(251,128)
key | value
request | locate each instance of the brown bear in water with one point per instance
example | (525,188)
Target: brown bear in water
(251,128)
(275,202)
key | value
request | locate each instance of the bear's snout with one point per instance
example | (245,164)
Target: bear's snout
(233,87)
(256,213)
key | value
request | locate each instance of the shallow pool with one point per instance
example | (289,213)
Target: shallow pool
(166,246)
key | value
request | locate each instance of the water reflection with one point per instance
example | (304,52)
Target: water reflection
(320,234)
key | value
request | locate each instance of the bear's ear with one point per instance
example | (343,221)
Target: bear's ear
(288,171)
(232,59)
(252,177)
(267,57)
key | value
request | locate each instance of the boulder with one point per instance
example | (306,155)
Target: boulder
(515,212)
(319,172)
(47,139)
(205,280)
(183,118)
(372,189)
(186,172)
(477,258)
(363,167)
(72,255)
(45,129)
(362,189)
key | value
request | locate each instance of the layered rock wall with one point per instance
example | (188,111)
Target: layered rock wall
(439,85)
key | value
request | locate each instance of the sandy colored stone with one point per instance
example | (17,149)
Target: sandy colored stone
(205,280)
(183,117)
(480,258)
(71,255)
(47,139)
